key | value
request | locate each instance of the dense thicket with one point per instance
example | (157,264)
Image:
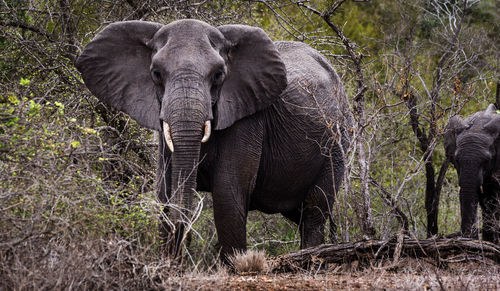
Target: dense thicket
(77,204)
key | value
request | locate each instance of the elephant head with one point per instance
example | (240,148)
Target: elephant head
(183,79)
(473,146)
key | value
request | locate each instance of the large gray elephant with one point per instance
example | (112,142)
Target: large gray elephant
(262,125)
(473,146)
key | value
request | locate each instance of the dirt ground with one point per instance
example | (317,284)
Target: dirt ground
(372,279)
(386,281)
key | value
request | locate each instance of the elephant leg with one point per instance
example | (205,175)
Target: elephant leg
(230,222)
(491,217)
(230,200)
(233,180)
(316,209)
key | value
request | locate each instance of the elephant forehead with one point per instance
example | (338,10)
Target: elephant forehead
(194,31)
(473,141)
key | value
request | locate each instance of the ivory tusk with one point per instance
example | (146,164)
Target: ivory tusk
(208,131)
(168,137)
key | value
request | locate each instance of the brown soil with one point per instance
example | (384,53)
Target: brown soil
(366,280)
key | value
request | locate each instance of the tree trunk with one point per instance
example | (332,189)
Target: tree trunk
(431,199)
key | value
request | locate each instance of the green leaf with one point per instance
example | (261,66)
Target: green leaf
(88,130)
(59,104)
(13,99)
(75,144)
(24,82)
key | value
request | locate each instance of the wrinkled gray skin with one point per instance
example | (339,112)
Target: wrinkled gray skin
(473,147)
(277,110)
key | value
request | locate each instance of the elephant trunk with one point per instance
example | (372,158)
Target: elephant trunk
(185,126)
(186,137)
(469,198)
(186,115)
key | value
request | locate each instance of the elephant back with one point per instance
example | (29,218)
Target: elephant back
(315,91)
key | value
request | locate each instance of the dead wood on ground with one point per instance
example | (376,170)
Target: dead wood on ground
(442,251)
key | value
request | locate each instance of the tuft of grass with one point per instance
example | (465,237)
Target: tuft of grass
(250,262)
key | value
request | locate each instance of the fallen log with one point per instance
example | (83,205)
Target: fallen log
(442,250)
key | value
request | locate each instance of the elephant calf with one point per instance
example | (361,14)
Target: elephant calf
(262,125)
(473,146)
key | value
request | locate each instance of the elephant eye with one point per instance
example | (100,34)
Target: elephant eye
(156,76)
(218,77)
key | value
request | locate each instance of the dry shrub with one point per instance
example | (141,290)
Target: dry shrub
(85,265)
(249,262)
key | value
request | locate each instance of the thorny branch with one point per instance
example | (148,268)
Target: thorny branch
(393,203)
(407,93)
(359,111)
(27,27)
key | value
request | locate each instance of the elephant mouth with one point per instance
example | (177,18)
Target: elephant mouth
(168,136)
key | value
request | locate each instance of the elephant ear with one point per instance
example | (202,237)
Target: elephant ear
(493,128)
(256,74)
(455,126)
(491,110)
(115,68)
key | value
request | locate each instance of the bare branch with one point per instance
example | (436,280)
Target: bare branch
(26,26)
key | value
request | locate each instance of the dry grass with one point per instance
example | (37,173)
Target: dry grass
(250,262)
(415,275)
